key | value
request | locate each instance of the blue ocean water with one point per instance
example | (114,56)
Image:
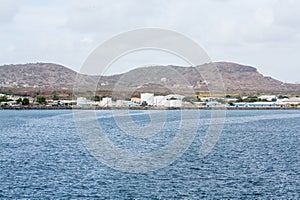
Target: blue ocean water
(256,157)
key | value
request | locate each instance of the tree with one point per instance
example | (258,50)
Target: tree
(19,101)
(144,103)
(198,99)
(282,97)
(55,97)
(37,92)
(95,98)
(25,101)
(189,99)
(231,103)
(252,99)
(9,92)
(41,99)
(3,98)
(239,99)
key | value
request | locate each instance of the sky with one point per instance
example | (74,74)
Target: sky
(260,33)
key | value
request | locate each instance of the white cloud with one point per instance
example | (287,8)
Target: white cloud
(264,33)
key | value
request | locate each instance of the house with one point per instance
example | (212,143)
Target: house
(135,100)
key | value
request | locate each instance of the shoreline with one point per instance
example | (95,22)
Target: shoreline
(143,108)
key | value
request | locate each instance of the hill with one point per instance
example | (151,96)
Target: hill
(43,75)
(237,79)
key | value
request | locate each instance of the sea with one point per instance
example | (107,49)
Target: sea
(45,155)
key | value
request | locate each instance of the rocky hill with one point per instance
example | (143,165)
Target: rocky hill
(236,78)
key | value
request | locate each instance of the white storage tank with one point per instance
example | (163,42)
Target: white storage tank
(159,100)
(148,98)
(106,102)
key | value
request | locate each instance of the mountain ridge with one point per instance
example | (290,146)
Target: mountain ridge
(237,78)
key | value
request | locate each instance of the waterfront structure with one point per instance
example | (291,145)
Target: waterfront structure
(255,104)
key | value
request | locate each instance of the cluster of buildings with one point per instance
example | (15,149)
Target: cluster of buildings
(178,101)
(12,99)
(270,101)
(145,99)
(168,101)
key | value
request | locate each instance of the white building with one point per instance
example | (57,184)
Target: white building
(125,103)
(231,99)
(122,103)
(148,98)
(173,103)
(255,104)
(214,104)
(106,102)
(66,102)
(159,100)
(267,97)
(174,97)
(287,102)
(82,102)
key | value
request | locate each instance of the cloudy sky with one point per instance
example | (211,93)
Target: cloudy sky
(260,33)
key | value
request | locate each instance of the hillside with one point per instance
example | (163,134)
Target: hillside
(44,75)
(237,78)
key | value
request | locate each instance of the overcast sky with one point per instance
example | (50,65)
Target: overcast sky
(261,33)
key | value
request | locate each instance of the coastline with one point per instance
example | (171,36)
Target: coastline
(142,108)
